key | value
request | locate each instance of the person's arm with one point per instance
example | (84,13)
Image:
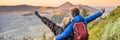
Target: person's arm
(56,29)
(93,17)
(66,32)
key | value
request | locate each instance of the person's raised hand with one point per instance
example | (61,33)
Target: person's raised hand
(37,14)
(103,10)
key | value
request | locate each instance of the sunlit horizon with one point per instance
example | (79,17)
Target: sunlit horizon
(58,3)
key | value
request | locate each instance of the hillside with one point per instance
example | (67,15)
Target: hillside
(106,28)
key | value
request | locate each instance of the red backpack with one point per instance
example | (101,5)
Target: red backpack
(80,31)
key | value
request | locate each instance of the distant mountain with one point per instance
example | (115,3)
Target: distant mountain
(18,8)
(67,6)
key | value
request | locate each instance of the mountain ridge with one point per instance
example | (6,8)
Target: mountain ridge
(18,8)
(65,7)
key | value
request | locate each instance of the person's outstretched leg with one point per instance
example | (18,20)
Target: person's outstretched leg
(52,26)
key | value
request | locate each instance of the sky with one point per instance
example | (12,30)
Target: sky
(59,2)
